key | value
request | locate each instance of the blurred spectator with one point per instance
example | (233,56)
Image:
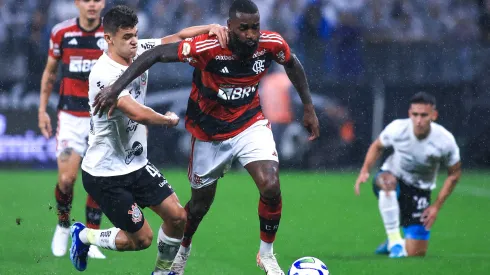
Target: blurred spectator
(36,51)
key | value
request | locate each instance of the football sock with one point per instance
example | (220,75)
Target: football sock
(167,249)
(269,216)
(101,238)
(63,205)
(390,214)
(193,222)
(93,213)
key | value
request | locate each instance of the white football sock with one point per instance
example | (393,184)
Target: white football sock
(266,248)
(167,249)
(390,213)
(105,238)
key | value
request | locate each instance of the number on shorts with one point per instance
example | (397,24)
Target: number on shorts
(422,202)
(152,170)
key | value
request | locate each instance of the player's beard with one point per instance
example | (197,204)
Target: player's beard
(241,49)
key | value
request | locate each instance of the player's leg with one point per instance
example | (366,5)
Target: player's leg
(130,231)
(68,164)
(385,187)
(256,151)
(203,173)
(152,190)
(413,202)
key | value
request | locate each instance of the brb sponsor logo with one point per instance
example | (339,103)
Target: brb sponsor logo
(136,150)
(236,93)
(80,65)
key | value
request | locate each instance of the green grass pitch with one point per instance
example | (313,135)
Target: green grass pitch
(321,218)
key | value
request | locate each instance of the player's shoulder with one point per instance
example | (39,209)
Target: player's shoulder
(103,70)
(442,134)
(400,124)
(270,39)
(64,26)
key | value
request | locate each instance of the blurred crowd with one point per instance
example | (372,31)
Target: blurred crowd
(335,29)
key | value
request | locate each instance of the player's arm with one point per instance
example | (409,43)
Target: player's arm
(47,82)
(143,114)
(219,31)
(108,96)
(296,74)
(430,214)
(373,154)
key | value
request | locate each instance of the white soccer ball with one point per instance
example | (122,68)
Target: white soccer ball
(308,266)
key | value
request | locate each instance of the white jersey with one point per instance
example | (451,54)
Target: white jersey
(415,161)
(117,146)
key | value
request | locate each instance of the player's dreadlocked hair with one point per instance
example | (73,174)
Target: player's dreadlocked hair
(119,17)
(244,6)
(423,98)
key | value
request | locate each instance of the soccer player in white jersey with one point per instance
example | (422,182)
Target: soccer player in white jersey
(404,183)
(115,170)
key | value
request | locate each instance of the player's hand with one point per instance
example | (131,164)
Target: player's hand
(106,98)
(429,216)
(221,32)
(362,178)
(173,119)
(44,123)
(310,122)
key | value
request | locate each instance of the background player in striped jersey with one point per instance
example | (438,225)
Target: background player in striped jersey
(406,180)
(225,118)
(78,43)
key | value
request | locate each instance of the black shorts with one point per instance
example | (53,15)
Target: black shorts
(120,197)
(412,200)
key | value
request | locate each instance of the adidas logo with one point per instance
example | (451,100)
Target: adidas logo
(73,42)
(225,70)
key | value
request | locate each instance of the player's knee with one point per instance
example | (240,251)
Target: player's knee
(270,187)
(66,182)
(143,241)
(178,219)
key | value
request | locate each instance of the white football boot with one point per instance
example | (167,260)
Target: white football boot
(268,263)
(181,260)
(59,244)
(95,253)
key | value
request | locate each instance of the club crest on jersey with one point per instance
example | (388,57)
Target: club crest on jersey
(135,212)
(136,150)
(258,66)
(186,49)
(102,44)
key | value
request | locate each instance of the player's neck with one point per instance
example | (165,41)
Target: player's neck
(119,59)
(422,136)
(88,24)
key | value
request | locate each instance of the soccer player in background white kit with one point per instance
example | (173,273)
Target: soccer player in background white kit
(115,170)
(404,183)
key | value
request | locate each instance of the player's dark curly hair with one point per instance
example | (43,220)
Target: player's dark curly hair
(423,98)
(243,6)
(119,17)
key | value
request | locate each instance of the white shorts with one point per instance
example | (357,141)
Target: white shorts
(72,132)
(210,160)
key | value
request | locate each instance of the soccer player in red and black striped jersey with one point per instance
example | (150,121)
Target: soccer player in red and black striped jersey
(225,118)
(77,43)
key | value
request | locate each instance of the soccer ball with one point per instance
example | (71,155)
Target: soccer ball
(308,266)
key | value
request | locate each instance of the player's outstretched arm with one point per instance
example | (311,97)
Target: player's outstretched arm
(430,214)
(373,154)
(221,33)
(107,98)
(143,114)
(47,82)
(296,74)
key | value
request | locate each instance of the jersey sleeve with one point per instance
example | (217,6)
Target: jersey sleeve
(146,44)
(452,156)
(196,50)
(55,43)
(389,133)
(280,48)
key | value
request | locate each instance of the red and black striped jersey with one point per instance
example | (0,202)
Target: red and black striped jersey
(78,50)
(224,99)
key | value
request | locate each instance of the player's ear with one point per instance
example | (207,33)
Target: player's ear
(108,38)
(435,115)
